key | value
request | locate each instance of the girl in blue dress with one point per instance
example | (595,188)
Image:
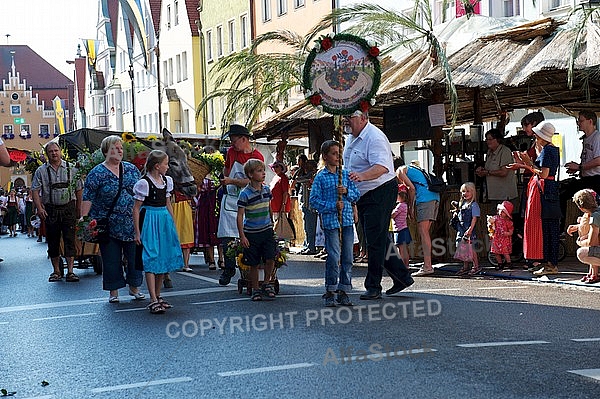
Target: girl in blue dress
(155,228)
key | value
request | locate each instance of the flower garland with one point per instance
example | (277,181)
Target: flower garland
(235,250)
(325,43)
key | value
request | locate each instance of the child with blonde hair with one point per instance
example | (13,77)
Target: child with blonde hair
(402,235)
(587,229)
(468,214)
(501,234)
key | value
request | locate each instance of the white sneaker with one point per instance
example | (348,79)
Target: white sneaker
(423,272)
(547,270)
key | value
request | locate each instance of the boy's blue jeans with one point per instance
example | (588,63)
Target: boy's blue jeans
(334,269)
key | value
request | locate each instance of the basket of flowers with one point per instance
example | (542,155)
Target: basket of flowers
(203,164)
(236,250)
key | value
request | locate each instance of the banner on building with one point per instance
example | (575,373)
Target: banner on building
(134,13)
(91,49)
(460,7)
(60,115)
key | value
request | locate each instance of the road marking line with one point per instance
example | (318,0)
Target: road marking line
(247,298)
(3,322)
(64,317)
(141,384)
(585,339)
(52,305)
(265,369)
(435,290)
(507,343)
(591,373)
(40,397)
(199,277)
(379,356)
(502,288)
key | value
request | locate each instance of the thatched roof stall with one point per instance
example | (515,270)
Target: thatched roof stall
(525,66)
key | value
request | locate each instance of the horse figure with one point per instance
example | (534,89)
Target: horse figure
(178,165)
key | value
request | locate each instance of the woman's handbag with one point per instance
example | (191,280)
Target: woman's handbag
(283,228)
(464,251)
(100,231)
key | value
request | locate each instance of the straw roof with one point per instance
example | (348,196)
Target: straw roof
(521,67)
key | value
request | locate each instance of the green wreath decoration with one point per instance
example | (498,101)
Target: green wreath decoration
(342,77)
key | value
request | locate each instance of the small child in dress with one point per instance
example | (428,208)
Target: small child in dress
(255,225)
(502,235)
(324,195)
(402,235)
(587,229)
(468,214)
(155,231)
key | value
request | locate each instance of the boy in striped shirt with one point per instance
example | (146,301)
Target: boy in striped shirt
(255,226)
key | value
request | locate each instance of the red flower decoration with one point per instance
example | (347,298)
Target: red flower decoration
(315,99)
(364,106)
(374,51)
(93,224)
(326,44)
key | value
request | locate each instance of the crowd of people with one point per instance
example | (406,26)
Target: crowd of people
(152,227)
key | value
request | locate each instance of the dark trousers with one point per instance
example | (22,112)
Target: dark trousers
(61,222)
(375,210)
(569,187)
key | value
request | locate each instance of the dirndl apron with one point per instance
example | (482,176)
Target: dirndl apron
(228,214)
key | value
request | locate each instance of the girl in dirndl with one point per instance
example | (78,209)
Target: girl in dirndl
(468,213)
(155,231)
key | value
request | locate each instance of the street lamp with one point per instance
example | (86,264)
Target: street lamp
(132,95)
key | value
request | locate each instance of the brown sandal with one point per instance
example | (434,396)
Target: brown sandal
(72,277)
(156,307)
(54,277)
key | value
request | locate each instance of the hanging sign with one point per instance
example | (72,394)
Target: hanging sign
(342,74)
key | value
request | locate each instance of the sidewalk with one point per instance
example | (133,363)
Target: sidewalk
(570,270)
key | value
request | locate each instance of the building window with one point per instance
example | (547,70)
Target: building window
(219,41)
(266,10)
(211,113)
(8,129)
(44,129)
(166,120)
(170,71)
(176,12)
(281,7)
(511,8)
(298,3)
(185,123)
(165,73)
(168,17)
(209,53)
(15,109)
(231,32)
(184,65)
(178,67)
(244,31)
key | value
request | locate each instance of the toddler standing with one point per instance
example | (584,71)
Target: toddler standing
(155,228)
(402,235)
(502,235)
(468,213)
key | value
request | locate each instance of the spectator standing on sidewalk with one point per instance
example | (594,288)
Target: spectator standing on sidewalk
(324,198)
(303,177)
(423,206)
(57,198)
(368,158)
(234,181)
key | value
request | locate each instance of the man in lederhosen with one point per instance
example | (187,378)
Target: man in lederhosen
(57,197)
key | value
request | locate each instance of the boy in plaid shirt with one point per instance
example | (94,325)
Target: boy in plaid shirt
(324,198)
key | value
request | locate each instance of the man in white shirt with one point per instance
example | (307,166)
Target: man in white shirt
(368,157)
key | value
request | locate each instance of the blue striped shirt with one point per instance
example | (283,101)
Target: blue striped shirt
(323,196)
(257,216)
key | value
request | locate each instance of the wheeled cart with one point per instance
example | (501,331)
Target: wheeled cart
(244,280)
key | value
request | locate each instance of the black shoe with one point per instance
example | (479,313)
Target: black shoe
(226,277)
(371,294)
(399,286)
(343,299)
(329,299)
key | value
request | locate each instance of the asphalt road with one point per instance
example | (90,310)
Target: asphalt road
(445,337)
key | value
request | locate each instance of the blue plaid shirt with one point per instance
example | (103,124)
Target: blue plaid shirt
(323,196)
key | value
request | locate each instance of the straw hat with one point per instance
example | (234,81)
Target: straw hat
(545,131)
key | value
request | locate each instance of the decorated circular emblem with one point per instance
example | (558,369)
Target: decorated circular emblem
(342,74)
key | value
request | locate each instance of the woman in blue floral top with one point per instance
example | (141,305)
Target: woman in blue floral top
(101,187)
